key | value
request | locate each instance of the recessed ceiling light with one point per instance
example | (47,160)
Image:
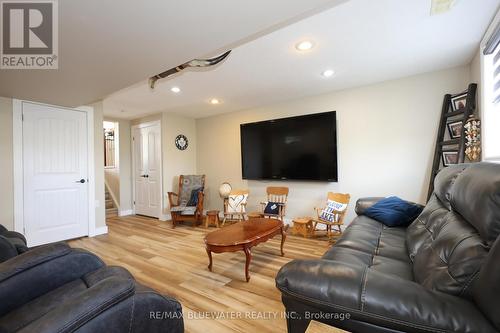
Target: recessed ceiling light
(305,45)
(328,73)
(214,101)
(441,6)
(175,90)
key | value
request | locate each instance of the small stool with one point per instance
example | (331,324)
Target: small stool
(303,226)
(212,218)
(254,215)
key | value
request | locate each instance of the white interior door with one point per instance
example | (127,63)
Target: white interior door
(147,169)
(55,173)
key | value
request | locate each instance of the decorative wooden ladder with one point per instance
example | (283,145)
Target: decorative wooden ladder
(452,145)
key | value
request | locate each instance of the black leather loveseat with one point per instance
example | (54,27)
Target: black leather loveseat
(55,288)
(11,244)
(440,274)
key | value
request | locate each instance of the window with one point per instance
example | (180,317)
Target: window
(110,144)
(491,96)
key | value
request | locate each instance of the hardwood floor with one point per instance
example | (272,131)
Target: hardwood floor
(174,262)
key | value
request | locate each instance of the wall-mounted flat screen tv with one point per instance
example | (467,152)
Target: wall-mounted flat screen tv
(295,148)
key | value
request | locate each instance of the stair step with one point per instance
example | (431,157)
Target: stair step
(111,212)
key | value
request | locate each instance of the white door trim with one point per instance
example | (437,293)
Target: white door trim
(141,125)
(17,126)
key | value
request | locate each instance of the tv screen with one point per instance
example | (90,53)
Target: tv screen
(295,148)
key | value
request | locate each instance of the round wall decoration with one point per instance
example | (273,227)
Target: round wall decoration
(181,142)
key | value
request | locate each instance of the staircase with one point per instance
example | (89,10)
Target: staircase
(111,210)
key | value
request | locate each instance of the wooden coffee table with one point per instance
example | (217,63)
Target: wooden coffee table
(242,236)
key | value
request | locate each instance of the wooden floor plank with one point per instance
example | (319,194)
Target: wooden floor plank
(174,262)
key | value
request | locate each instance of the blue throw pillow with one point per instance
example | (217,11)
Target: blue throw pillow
(193,200)
(394,212)
(272,208)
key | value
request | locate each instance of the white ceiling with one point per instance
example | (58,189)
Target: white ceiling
(107,45)
(364,41)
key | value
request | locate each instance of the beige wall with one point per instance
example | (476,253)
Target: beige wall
(125,156)
(475,77)
(100,211)
(6,164)
(386,134)
(177,162)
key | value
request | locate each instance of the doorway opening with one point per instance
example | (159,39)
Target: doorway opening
(111,167)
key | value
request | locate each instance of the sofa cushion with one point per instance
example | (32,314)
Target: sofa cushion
(444,182)
(369,243)
(41,306)
(487,288)
(451,258)
(428,223)
(393,212)
(476,196)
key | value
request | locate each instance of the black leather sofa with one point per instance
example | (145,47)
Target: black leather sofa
(440,274)
(55,288)
(11,244)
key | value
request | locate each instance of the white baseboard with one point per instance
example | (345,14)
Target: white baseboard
(126,212)
(99,231)
(165,217)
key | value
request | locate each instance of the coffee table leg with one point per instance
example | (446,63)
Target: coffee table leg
(283,238)
(248,254)
(210,260)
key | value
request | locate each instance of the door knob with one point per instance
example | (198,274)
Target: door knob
(82,181)
(146,176)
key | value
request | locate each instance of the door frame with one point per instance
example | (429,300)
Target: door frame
(17,126)
(162,200)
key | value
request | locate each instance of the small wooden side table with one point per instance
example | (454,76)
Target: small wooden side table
(303,226)
(212,218)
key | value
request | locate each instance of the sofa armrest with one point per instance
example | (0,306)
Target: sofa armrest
(40,270)
(77,311)
(376,298)
(199,205)
(363,204)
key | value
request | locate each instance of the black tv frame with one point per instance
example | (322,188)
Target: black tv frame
(333,180)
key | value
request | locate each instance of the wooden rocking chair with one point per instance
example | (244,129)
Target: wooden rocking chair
(333,227)
(181,208)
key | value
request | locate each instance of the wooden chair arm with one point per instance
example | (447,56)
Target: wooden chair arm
(173,202)
(199,206)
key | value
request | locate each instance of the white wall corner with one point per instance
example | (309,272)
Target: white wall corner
(126,212)
(98,231)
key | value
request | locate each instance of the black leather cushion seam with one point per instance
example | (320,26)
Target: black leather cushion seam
(372,315)
(85,282)
(452,182)
(468,283)
(131,315)
(363,290)
(375,252)
(115,299)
